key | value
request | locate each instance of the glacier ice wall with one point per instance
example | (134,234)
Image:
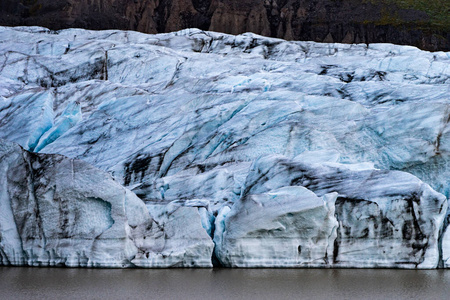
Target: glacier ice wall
(181,119)
(56,211)
(286,227)
(386,218)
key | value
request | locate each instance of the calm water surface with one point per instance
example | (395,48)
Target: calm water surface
(56,283)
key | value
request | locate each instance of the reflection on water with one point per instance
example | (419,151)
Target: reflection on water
(56,283)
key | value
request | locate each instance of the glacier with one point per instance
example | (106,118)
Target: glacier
(238,151)
(57,211)
(380,216)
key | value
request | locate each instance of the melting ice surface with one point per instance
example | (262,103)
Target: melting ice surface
(283,153)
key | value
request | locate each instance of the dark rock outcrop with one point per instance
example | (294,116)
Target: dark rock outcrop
(347,21)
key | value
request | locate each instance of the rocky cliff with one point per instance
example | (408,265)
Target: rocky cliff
(419,23)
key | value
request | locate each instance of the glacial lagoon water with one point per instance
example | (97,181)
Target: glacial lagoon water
(65,283)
